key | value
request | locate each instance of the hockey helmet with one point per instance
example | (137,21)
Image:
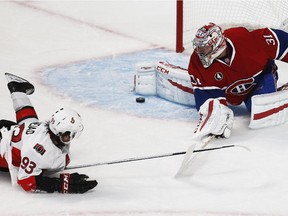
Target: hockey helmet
(209,43)
(66,124)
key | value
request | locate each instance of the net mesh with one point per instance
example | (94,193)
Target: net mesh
(231,13)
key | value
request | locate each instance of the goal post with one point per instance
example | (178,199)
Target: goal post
(192,14)
(179,26)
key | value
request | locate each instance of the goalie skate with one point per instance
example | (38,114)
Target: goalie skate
(18,84)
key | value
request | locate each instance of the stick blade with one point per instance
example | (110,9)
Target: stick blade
(191,155)
(187,158)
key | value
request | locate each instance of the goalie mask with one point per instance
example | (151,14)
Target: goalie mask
(209,43)
(66,124)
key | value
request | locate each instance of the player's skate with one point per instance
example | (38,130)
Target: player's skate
(18,84)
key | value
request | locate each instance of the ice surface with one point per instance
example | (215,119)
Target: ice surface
(108,83)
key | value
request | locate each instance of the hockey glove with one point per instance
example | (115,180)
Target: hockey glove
(75,183)
(215,118)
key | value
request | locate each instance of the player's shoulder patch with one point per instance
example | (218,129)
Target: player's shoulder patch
(39,149)
(218,76)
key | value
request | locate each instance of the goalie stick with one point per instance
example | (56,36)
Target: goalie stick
(189,156)
(147,157)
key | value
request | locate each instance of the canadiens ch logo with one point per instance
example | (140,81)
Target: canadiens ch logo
(241,87)
(218,76)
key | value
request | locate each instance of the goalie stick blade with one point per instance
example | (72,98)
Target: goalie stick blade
(190,155)
(186,160)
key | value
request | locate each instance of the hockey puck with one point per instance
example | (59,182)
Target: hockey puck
(140,99)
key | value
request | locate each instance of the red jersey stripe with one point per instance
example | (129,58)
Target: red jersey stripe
(26,112)
(267,113)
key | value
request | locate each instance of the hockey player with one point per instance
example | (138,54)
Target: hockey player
(33,151)
(232,67)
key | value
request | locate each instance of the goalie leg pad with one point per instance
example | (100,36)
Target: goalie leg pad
(269,110)
(174,84)
(145,79)
(164,80)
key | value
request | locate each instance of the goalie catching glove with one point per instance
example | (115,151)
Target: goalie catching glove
(215,118)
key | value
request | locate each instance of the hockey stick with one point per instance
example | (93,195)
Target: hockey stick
(146,157)
(189,156)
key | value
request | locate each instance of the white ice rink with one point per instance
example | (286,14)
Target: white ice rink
(231,182)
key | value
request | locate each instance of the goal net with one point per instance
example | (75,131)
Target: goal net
(192,14)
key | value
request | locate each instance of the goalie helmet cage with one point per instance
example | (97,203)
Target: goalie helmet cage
(192,14)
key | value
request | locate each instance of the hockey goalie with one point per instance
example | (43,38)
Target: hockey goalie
(226,68)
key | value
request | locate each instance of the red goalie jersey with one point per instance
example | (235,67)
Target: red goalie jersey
(248,69)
